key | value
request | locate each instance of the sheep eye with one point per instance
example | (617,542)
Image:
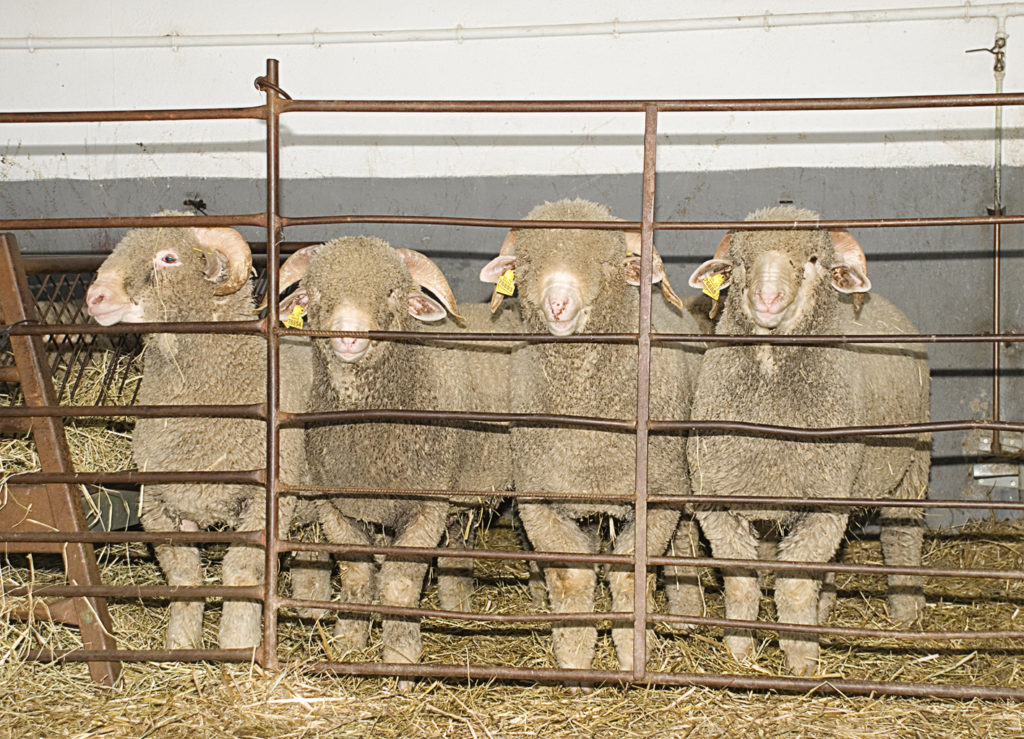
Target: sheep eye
(170,259)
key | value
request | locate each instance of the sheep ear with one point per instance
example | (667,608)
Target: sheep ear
(494,269)
(709,269)
(422,307)
(850,274)
(299,297)
(658,274)
(848,279)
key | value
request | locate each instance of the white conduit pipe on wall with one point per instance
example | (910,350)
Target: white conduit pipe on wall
(966,11)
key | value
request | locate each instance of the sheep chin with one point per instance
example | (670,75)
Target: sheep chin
(126,313)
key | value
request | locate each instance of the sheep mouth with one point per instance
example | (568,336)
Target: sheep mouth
(129,313)
(562,328)
(349,350)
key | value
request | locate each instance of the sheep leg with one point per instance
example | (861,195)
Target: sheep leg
(661,522)
(181,566)
(902,537)
(455,574)
(815,538)
(241,620)
(570,588)
(401,583)
(682,584)
(311,580)
(352,631)
(731,537)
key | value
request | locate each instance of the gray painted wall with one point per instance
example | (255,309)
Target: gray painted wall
(942,278)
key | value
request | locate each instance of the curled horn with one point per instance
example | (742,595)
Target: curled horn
(293,270)
(506,250)
(427,274)
(634,240)
(234,248)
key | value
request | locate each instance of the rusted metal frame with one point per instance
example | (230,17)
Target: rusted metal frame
(642,106)
(35,224)
(379,609)
(643,397)
(249,411)
(840,631)
(842,338)
(436,551)
(142,655)
(507,223)
(272,109)
(185,327)
(234,477)
(104,116)
(785,502)
(837,432)
(339,490)
(126,537)
(611,424)
(133,591)
(805,685)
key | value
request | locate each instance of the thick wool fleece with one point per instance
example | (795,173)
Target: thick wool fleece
(186,369)
(814,387)
(366,273)
(593,380)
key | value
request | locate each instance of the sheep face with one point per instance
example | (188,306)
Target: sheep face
(168,274)
(779,280)
(569,279)
(358,284)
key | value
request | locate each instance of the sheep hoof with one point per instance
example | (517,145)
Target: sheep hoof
(801,657)
(405,685)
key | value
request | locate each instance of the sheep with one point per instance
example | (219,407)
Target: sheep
(202,274)
(573,281)
(805,282)
(360,284)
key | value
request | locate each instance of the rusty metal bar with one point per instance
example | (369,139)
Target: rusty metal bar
(34,224)
(142,655)
(253,411)
(124,537)
(104,116)
(133,591)
(786,502)
(996,256)
(268,653)
(641,106)
(236,477)
(643,397)
(208,327)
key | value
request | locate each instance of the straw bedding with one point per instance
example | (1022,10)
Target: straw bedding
(211,700)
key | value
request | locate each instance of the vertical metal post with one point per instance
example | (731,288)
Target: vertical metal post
(270,602)
(643,397)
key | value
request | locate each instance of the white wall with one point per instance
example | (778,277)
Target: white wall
(859,59)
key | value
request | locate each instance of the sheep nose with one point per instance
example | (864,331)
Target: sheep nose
(769,298)
(558,306)
(96,295)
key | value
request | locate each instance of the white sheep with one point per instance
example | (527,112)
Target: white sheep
(202,274)
(579,281)
(805,282)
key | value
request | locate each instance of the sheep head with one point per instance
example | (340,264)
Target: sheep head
(564,275)
(360,283)
(781,279)
(172,274)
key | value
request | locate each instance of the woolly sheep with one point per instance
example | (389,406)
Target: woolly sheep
(577,281)
(806,282)
(202,274)
(361,284)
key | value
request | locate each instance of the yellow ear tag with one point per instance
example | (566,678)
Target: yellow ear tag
(507,282)
(295,319)
(712,285)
